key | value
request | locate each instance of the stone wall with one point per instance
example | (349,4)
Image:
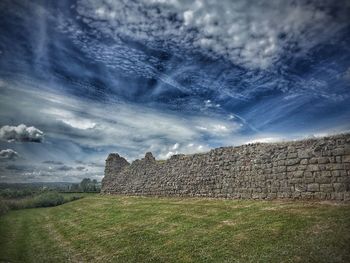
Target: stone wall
(308,169)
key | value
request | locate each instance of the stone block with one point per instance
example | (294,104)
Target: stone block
(281,156)
(292,155)
(284,195)
(313,160)
(281,163)
(347,196)
(338,151)
(304,154)
(336,166)
(347,149)
(302,167)
(296,181)
(337,196)
(292,161)
(326,188)
(279,169)
(307,195)
(323,180)
(298,174)
(296,195)
(267,171)
(312,168)
(326,173)
(300,188)
(271,196)
(320,195)
(292,168)
(326,153)
(304,161)
(339,187)
(313,187)
(323,160)
(343,179)
(346,159)
(286,189)
(308,174)
(309,180)
(335,173)
(273,189)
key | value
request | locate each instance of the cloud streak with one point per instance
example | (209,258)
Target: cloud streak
(52,162)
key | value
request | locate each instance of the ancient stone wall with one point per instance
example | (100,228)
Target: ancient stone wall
(308,169)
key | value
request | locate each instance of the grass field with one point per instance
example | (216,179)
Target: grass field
(136,229)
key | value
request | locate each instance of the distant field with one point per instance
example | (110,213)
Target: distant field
(136,229)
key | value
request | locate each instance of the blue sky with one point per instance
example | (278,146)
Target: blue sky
(81,79)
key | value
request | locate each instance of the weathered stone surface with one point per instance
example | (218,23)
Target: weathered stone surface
(339,187)
(323,180)
(313,187)
(304,161)
(326,188)
(346,159)
(292,161)
(309,169)
(323,160)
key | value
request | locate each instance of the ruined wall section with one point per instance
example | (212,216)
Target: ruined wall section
(308,169)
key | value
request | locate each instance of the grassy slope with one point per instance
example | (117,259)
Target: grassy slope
(136,229)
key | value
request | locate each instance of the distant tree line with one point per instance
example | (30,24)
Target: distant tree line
(87,186)
(18,190)
(17,193)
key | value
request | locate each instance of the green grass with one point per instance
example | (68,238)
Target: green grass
(41,199)
(144,229)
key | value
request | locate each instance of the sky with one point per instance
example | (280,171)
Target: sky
(81,79)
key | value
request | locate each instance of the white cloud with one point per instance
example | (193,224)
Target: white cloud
(175,146)
(8,154)
(218,128)
(71,119)
(79,124)
(190,148)
(265,140)
(210,104)
(231,117)
(21,133)
(253,35)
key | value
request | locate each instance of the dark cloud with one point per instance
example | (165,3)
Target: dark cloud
(95,164)
(21,133)
(64,168)
(8,154)
(19,168)
(91,164)
(53,162)
(80,168)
